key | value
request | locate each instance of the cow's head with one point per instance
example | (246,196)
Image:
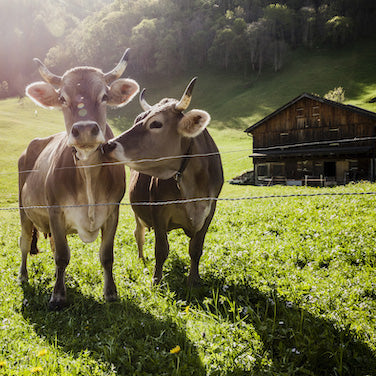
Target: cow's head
(83,94)
(160,136)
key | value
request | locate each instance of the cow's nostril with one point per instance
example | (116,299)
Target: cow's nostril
(95,130)
(109,147)
(75,132)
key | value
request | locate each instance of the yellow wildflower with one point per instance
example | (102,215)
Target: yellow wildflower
(36,369)
(3,363)
(42,352)
(175,350)
(186,309)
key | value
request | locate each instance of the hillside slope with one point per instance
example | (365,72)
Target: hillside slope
(316,72)
(237,102)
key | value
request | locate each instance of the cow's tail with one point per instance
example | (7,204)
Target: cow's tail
(34,240)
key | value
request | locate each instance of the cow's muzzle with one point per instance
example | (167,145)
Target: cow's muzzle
(108,147)
(86,134)
(114,151)
(85,129)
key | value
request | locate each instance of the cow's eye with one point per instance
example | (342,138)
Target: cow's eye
(105,98)
(155,124)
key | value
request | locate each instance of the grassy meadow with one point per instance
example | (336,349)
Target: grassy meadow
(289,283)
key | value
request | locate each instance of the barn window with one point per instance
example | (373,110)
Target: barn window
(353,165)
(278,169)
(330,169)
(300,117)
(315,110)
(284,134)
(262,170)
(316,115)
(307,167)
(316,121)
(300,112)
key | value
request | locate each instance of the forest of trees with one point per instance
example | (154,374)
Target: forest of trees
(168,37)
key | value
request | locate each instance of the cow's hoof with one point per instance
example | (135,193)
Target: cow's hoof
(56,306)
(157,277)
(111,297)
(110,292)
(23,278)
(156,281)
(194,281)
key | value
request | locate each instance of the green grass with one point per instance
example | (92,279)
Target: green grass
(289,287)
(289,283)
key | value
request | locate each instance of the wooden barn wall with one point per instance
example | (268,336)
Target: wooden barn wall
(309,120)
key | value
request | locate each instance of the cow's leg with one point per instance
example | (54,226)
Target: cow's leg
(52,243)
(34,242)
(62,257)
(139,234)
(195,250)
(25,242)
(106,254)
(161,253)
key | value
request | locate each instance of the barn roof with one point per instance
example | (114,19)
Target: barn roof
(346,107)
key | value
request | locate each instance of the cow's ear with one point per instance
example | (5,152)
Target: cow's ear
(193,123)
(122,91)
(43,94)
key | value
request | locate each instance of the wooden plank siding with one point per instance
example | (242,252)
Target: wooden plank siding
(300,123)
(312,136)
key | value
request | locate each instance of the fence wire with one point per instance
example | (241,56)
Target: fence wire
(282,147)
(190,200)
(145,160)
(184,201)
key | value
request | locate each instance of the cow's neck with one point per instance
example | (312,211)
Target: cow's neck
(184,163)
(89,171)
(191,179)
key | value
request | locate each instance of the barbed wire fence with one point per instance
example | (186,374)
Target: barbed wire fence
(185,201)
(200,199)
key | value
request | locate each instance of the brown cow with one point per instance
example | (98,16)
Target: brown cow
(168,139)
(67,172)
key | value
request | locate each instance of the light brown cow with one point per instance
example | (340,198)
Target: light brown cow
(168,139)
(67,172)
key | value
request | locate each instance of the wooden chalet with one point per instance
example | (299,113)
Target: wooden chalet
(315,141)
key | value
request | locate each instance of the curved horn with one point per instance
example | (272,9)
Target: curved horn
(145,105)
(187,96)
(47,75)
(119,69)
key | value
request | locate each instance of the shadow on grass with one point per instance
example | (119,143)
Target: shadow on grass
(120,334)
(297,342)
